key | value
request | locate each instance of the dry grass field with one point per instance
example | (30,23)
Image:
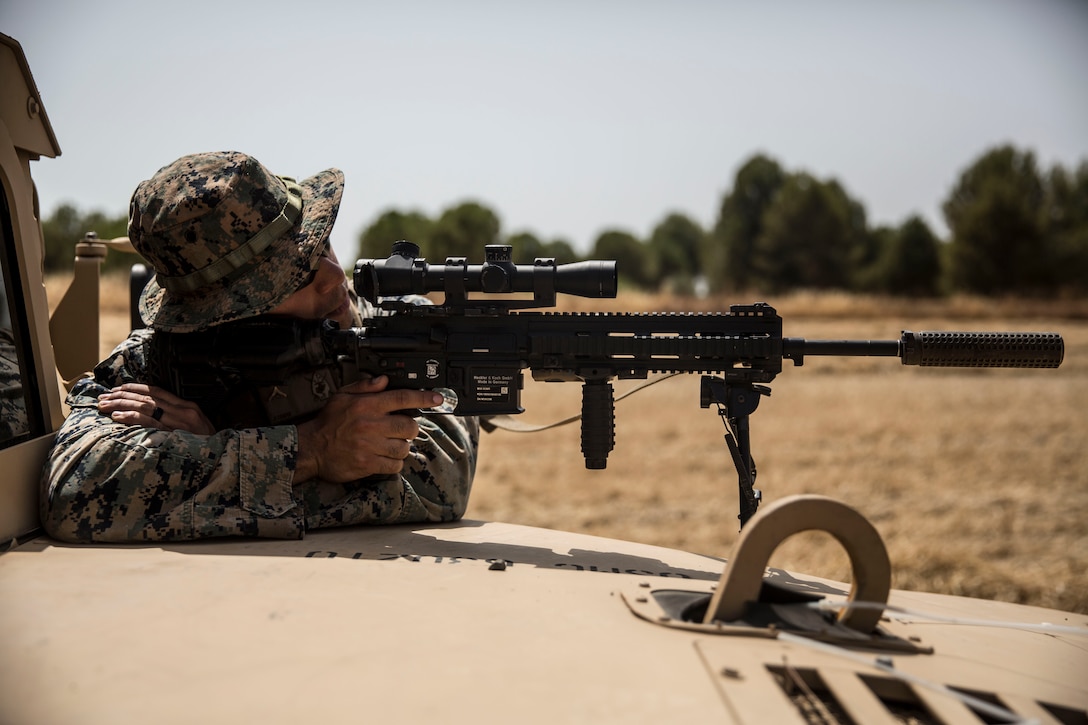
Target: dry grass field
(976,479)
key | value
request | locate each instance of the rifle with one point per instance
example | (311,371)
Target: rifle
(474,350)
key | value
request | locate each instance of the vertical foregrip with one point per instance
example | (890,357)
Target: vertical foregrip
(598,423)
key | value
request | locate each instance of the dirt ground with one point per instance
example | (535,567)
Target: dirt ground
(976,479)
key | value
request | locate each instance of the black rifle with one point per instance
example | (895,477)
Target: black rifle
(475,349)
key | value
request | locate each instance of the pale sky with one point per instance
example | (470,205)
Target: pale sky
(564,117)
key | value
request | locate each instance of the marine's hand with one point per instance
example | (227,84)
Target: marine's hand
(152,407)
(360,432)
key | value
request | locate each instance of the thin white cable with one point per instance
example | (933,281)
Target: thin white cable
(512,424)
(1044,627)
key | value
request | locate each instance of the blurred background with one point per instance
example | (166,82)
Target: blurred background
(907,148)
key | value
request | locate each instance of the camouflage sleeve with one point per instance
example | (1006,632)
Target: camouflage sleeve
(105,481)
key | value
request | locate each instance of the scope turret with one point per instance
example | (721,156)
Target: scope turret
(404,272)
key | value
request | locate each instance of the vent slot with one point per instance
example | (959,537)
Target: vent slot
(1066,715)
(1030,710)
(815,703)
(837,697)
(845,698)
(985,697)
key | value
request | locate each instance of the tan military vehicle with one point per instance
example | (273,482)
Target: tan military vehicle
(470,622)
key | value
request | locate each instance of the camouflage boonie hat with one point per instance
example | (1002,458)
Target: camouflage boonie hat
(227,239)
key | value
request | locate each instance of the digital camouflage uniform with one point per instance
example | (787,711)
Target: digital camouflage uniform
(13,417)
(106,481)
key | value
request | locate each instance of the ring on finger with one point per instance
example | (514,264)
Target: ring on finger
(157,413)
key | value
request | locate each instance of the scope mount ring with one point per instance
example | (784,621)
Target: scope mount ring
(743,574)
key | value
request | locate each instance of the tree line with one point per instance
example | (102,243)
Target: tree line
(1014,229)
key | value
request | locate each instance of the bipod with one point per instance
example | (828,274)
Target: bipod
(736,401)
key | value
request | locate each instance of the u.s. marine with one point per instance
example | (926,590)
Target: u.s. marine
(228,240)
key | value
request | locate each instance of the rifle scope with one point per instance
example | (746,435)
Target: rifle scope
(404,273)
